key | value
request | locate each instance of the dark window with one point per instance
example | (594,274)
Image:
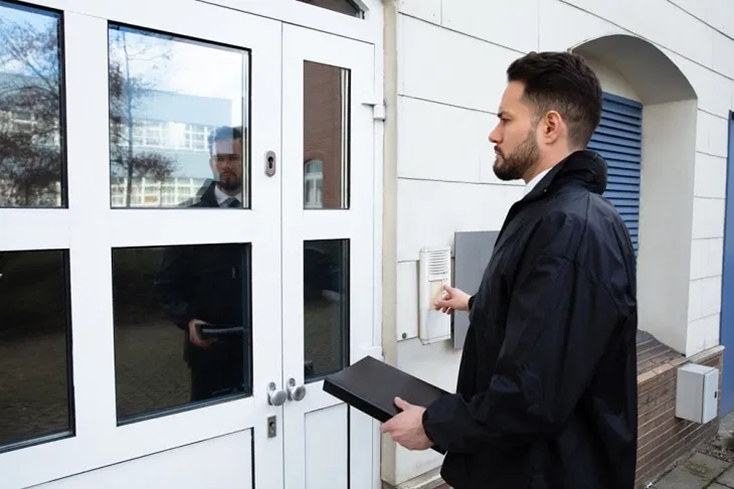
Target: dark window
(326,307)
(31,97)
(35,364)
(346,7)
(158,296)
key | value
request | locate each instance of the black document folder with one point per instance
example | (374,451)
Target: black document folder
(209,331)
(371,386)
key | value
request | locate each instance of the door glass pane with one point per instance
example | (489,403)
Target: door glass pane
(326,307)
(163,358)
(326,95)
(31,96)
(347,7)
(35,394)
(179,118)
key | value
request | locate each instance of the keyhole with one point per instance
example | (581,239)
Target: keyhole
(270,163)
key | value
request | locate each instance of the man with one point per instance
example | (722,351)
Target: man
(547,391)
(206,284)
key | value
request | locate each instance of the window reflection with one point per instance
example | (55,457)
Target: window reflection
(35,398)
(182,325)
(326,307)
(178,121)
(31,138)
(325,136)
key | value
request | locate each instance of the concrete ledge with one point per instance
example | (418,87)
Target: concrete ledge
(429,480)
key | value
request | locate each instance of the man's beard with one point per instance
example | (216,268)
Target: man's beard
(229,183)
(517,163)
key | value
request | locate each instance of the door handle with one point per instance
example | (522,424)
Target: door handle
(295,393)
(276,397)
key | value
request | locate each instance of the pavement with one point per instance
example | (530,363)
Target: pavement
(710,467)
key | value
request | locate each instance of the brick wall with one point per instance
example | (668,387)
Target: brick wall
(663,439)
(322,126)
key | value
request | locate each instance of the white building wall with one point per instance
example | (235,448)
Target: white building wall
(452,57)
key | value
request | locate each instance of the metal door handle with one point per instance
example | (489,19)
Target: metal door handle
(295,393)
(276,397)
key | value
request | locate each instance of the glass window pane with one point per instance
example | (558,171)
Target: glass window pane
(178,122)
(31,139)
(326,307)
(326,135)
(163,357)
(35,391)
(346,7)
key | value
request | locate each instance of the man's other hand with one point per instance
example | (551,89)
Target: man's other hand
(194,336)
(406,428)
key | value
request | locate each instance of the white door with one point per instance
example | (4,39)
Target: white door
(328,245)
(106,91)
(167,161)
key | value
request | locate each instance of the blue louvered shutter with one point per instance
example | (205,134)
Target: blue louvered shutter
(618,139)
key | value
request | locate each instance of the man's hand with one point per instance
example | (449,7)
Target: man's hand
(452,300)
(406,428)
(194,336)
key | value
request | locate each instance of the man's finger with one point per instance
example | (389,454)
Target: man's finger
(402,404)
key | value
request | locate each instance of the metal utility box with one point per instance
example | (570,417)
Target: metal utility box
(697,393)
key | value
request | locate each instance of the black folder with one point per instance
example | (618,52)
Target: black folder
(371,386)
(210,331)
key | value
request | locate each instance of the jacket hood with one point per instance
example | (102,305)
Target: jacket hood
(585,167)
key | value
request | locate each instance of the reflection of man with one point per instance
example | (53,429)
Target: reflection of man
(205,284)
(547,389)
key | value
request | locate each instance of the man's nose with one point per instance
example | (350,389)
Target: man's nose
(494,136)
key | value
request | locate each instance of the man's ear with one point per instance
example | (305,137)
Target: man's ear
(552,126)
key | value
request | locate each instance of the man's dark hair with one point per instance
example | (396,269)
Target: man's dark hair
(224,133)
(563,82)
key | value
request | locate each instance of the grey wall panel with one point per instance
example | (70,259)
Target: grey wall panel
(472,251)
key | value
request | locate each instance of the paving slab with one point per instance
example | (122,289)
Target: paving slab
(716,486)
(681,479)
(727,478)
(704,466)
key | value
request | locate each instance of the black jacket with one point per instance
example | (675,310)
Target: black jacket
(547,388)
(206,282)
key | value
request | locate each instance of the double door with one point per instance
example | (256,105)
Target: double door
(201,244)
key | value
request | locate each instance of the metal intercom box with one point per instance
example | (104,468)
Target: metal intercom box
(697,393)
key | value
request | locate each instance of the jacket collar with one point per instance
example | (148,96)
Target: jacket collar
(582,167)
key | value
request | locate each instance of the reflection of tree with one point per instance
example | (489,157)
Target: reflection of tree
(126,93)
(30,114)
(30,151)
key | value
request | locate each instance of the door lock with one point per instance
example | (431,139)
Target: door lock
(272,427)
(270,163)
(295,393)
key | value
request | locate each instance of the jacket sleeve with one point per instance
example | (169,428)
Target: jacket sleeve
(557,326)
(171,285)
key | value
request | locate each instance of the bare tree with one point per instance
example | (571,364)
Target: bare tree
(127,93)
(31,88)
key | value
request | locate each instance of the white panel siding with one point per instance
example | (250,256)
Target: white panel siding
(444,66)
(511,24)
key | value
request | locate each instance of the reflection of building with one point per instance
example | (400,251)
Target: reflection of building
(326,136)
(174,126)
